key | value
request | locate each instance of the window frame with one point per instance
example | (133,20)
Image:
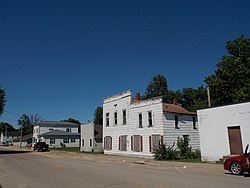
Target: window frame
(140,120)
(124,116)
(194,122)
(65,140)
(52,141)
(115,118)
(90,143)
(107,119)
(176,119)
(150,119)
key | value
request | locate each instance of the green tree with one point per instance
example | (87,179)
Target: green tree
(193,99)
(157,87)
(4,125)
(27,123)
(231,81)
(98,115)
(2,100)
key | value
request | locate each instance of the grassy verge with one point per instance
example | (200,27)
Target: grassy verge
(70,149)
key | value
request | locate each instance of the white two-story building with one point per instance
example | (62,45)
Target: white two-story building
(134,126)
(57,134)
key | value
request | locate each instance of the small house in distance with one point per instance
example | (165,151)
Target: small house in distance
(224,130)
(91,137)
(134,126)
(57,134)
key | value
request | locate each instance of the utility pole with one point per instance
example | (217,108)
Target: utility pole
(21,137)
(208,97)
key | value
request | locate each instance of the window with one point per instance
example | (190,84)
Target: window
(124,117)
(140,120)
(90,142)
(194,123)
(150,122)
(73,140)
(52,141)
(123,143)
(115,118)
(156,141)
(107,119)
(137,143)
(176,121)
(65,140)
(51,129)
(82,142)
(68,130)
(108,143)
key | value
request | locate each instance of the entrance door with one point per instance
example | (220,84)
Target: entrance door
(235,142)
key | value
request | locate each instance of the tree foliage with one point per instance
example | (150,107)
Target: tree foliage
(27,122)
(231,81)
(4,126)
(72,120)
(2,100)
(157,87)
(191,99)
(98,115)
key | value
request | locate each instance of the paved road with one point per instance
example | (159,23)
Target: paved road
(21,169)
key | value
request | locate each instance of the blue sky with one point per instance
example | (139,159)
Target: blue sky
(59,59)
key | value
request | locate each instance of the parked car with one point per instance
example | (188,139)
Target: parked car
(237,165)
(41,146)
(7,143)
(3,144)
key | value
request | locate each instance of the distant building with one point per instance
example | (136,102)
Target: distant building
(135,126)
(8,136)
(224,130)
(57,134)
(25,141)
(91,137)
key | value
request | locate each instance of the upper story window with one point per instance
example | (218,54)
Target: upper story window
(150,120)
(176,121)
(107,119)
(194,123)
(140,120)
(124,117)
(115,118)
(68,130)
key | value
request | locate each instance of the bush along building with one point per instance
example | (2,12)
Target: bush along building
(134,126)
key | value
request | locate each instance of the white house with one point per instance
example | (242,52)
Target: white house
(91,137)
(134,126)
(224,130)
(57,133)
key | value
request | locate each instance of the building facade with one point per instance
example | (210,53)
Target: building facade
(135,127)
(57,134)
(91,137)
(224,130)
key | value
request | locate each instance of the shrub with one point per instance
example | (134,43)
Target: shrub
(165,152)
(184,148)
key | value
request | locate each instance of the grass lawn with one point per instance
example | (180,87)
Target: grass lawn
(71,149)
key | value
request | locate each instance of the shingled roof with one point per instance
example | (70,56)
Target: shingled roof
(172,108)
(59,133)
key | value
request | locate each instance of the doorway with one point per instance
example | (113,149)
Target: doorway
(235,141)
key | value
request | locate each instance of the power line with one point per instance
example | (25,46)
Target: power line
(56,97)
(12,113)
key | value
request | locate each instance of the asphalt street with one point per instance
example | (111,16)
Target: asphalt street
(26,169)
